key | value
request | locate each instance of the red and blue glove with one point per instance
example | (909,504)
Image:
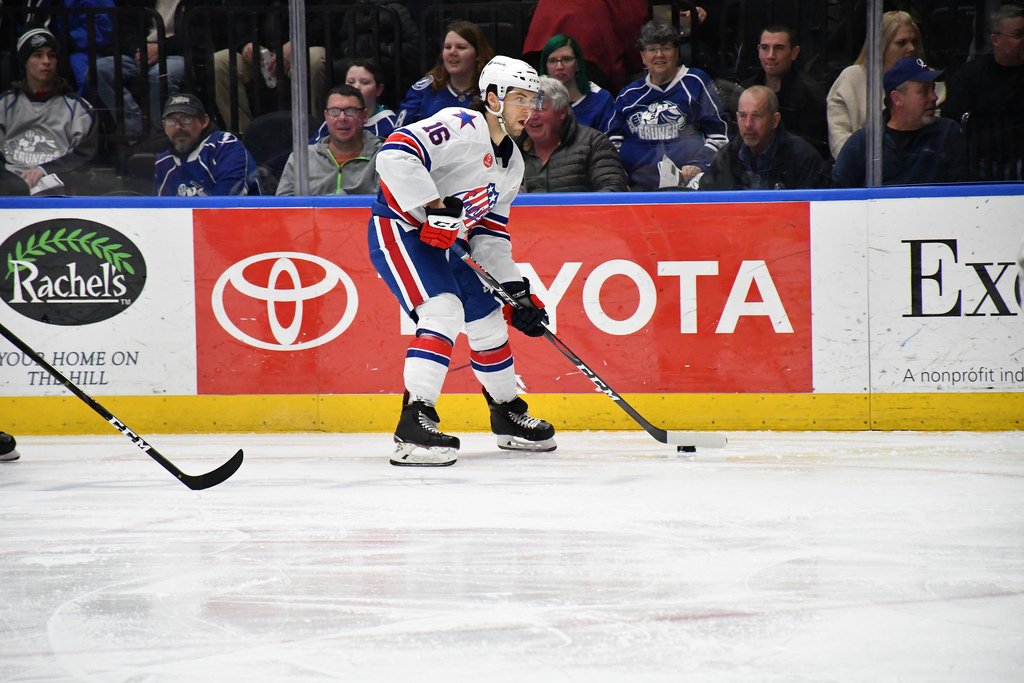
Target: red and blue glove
(529,317)
(443,225)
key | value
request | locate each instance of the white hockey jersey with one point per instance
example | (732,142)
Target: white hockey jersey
(450,154)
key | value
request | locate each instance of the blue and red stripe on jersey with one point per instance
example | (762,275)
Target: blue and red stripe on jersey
(394,209)
(404,141)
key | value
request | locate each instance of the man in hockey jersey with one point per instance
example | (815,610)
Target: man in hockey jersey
(48,135)
(673,113)
(202,161)
(453,176)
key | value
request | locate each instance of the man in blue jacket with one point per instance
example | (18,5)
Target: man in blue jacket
(202,161)
(917,146)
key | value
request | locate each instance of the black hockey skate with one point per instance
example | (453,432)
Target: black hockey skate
(418,441)
(7,448)
(516,430)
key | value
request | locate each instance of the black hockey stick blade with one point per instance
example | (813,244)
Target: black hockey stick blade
(194,482)
(675,438)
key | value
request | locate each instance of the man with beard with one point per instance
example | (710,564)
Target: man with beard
(202,161)
(917,146)
(451,178)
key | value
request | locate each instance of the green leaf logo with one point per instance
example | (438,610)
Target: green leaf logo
(52,241)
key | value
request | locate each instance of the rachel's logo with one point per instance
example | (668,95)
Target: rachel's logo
(70,271)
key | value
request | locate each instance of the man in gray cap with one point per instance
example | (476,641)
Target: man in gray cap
(202,161)
(47,133)
(917,146)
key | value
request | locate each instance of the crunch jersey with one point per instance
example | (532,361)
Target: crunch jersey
(220,165)
(595,108)
(451,154)
(684,120)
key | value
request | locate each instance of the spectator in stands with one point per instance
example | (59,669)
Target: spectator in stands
(251,63)
(673,114)
(562,59)
(341,163)
(801,99)
(991,90)
(765,156)
(917,146)
(87,35)
(606,29)
(564,156)
(453,80)
(47,133)
(202,161)
(365,75)
(133,66)
(847,100)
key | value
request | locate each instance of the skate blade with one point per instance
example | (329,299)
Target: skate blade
(512,443)
(10,456)
(412,455)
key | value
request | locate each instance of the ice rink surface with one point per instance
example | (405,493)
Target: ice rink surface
(784,557)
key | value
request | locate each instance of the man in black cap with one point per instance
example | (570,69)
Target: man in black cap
(917,146)
(47,133)
(202,161)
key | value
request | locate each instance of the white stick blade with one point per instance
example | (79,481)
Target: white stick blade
(698,439)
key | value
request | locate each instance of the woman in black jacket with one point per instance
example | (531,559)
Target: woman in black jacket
(563,156)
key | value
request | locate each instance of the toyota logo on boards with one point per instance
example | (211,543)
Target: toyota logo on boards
(280,301)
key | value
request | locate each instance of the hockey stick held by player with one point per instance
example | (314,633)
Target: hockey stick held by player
(450,180)
(529,317)
(443,225)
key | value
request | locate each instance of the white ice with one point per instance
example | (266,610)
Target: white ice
(784,557)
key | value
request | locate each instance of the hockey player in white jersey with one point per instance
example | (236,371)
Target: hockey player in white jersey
(453,176)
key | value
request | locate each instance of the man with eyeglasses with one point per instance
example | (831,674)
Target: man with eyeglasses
(671,118)
(987,96)
(202,161)
(918,146)
(341,162)
(452,177)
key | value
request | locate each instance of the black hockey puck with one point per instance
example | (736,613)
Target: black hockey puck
(686,449)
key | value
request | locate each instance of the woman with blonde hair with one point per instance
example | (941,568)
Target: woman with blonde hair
(453,80)
(846,104)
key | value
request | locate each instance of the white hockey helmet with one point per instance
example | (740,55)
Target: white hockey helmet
(504,73)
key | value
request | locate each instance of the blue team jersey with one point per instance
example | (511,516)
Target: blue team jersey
(595,108)
(219,166)
(683,120)
(422,101)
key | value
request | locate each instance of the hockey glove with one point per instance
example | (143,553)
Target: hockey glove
(442,225)
(530,317)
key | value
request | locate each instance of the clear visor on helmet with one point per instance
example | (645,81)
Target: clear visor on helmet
(524,98)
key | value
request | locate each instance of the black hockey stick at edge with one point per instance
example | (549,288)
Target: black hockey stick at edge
(194,482)
(682,439)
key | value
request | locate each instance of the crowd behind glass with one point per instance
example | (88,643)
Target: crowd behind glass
(184,98)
